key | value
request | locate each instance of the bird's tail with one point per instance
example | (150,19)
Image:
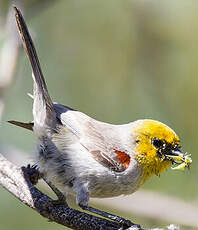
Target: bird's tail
(43,109)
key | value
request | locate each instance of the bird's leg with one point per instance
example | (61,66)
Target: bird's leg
(61,198)
(118,219)
(82,201)
(33,174)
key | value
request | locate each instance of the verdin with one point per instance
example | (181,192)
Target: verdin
(90,158)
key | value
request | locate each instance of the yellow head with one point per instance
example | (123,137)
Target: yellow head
(157,148)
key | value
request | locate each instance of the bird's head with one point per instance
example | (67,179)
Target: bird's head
(157,148)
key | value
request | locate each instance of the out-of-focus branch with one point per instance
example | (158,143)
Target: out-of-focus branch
(11,44)
(8,54)
(147,205)
(9,51)
(14,179)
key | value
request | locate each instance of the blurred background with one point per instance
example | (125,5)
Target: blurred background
(117,61)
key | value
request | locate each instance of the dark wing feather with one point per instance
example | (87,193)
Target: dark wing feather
(24,125)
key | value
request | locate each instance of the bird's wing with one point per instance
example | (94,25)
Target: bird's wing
(99,138)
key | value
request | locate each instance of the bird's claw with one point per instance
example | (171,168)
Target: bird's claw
(32,172)
(125,224)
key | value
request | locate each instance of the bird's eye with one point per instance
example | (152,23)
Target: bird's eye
(157,143)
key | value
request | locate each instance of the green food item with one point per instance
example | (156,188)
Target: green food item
(181,161)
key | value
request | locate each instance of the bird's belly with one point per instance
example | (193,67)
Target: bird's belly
(116,184)
(75,168)
(106,190)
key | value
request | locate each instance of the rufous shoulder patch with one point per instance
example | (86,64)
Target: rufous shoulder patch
(123,158)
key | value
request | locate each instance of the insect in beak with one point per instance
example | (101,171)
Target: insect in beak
(181,160)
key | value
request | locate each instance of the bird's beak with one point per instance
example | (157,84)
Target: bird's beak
(180,160)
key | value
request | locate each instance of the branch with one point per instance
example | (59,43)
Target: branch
(10,48)
(8,54)
(14,179)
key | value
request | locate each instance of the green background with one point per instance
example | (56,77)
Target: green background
(117,61)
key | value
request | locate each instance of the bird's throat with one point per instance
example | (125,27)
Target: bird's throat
(151,167)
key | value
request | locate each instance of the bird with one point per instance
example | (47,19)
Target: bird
(79,155)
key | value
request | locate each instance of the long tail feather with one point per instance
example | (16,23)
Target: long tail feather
(43,110)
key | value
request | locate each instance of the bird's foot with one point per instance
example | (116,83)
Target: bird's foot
(32,173)
(59,201)
(125,224)
(61,198)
